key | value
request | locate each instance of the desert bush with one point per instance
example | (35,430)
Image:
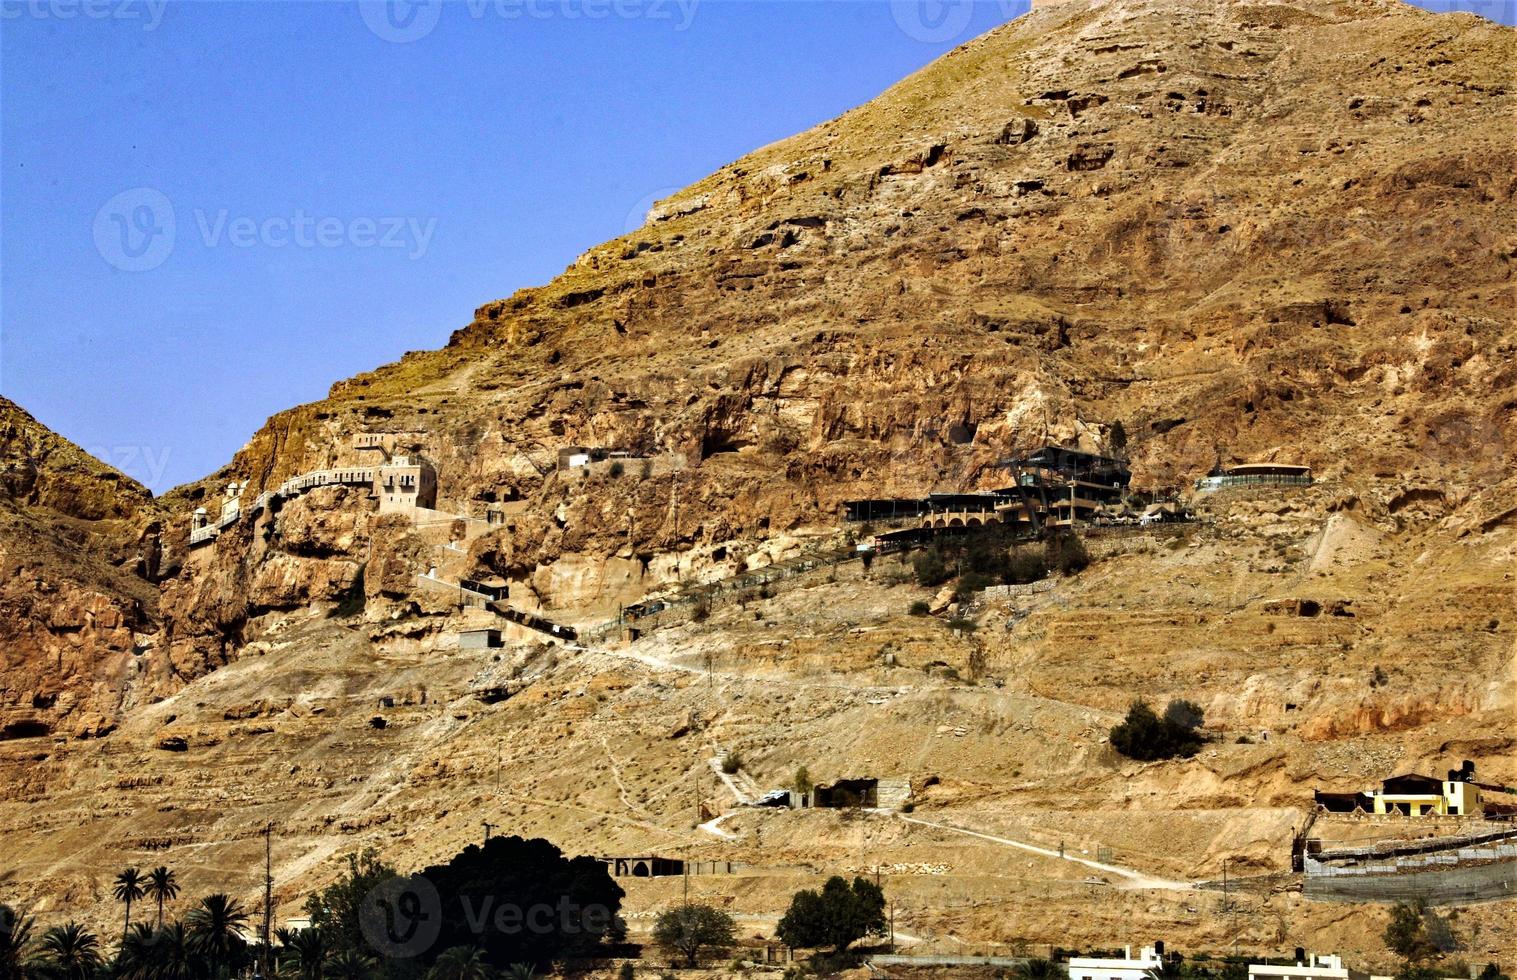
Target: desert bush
(731,762)
(919,608)
(1145,736)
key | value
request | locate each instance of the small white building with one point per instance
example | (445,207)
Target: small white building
(1145,966)
(1315,967)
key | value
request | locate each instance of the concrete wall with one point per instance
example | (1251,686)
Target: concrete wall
(1450,884)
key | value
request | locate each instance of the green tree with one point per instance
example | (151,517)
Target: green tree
(335,910)
(159,954)
(1186,714)
(1492,972)
(130,886)
(834,917)
(163,886)
(687,930)
(302,952)
(1144,736)
(215,932)
(930,568)
(15,936)
(138,957)
(515,873)
(70,952)
(801,781)
(521,971)
(461,963)
(1407,936)
(1116,438)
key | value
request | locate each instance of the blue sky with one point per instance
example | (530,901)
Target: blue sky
(210,211)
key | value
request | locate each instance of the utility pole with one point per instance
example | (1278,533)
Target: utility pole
(268,890)
(488,827)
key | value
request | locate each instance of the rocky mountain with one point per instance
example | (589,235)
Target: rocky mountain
(1242,230)
(79,553)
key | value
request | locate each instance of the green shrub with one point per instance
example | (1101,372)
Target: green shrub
(1066,553)
(919,608)
(970,583)
(732,762)
(930,568)
(1144,736)
(1025,565)
(617,469)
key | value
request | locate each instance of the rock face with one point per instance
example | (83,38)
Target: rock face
(1242,231)
(79,549)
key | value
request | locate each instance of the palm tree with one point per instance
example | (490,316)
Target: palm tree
(162,885)
(1038,969)
(521,971)
(349,965)
(130,886)
(215,931)
(174,955)
(303,951)
(15,933)
(138,959)
(460,963)
(70,952)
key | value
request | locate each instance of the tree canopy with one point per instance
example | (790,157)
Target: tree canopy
(835,917)
(686,930)
(522,901)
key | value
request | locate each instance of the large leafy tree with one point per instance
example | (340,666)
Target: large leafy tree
(130,886)
(835,917)
(70,952)
(686,930)
(336,910)
(215,933)
(163,886)
(522,901)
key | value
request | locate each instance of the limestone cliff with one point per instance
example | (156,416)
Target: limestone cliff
(1242,230)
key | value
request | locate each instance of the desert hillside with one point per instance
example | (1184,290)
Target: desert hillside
(1197,232)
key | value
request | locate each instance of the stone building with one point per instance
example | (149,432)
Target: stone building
(404,483)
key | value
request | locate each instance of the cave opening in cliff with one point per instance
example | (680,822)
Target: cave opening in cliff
(25,728)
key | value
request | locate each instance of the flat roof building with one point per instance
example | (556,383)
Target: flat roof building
(1256,475)
(1145,966)
(1314,967)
